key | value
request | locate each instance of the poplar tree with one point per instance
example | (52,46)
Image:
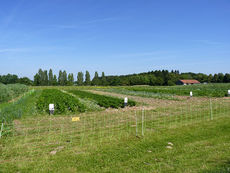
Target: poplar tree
(87,78)
(103,79)
(64,78)
(41,77)
(51,77)
(70,79)
(60,78)
(95,80)
(80,79)
(46,81)
(55,80)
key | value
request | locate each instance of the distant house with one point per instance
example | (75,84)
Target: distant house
(187,82)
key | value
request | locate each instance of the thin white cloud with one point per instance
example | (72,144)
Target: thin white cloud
(103,20)
(82,25)
(210,42)
(142,54)
(13,14)
(12,50)
(65,26)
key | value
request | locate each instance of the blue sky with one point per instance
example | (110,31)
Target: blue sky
(114,36)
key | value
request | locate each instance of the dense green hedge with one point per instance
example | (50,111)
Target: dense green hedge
(10,91)
(63,103)
(103,101)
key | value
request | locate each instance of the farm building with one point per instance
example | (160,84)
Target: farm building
(187,82)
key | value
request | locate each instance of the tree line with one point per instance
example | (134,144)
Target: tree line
(45,78)
(157,77)
(12,79)
(165,78)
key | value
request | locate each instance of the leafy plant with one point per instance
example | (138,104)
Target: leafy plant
(63,102)
(103,101)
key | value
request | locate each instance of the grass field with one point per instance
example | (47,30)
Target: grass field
(156,135)
(168,92)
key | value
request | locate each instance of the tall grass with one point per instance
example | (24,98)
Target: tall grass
(23,107)
(10,91)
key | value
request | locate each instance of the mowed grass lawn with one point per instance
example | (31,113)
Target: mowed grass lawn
(201,147)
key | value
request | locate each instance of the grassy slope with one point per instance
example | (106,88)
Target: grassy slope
(197,148)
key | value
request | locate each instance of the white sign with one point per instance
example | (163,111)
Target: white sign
(229,92)
(190,93)
(126,100)
(51,107)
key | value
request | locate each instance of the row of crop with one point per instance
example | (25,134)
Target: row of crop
(139,93)
(63,102)
(103,101)
(211,90)
(10,91)
(25,106)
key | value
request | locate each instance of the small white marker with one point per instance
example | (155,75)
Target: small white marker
(126,101)
(190,93)
(51,108)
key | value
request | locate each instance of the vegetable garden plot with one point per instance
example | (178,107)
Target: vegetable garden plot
(11,91)
(211,90)
(103,101)
(63,102)
(24,106)
(120,90)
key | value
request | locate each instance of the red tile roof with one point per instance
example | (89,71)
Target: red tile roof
(190,81)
